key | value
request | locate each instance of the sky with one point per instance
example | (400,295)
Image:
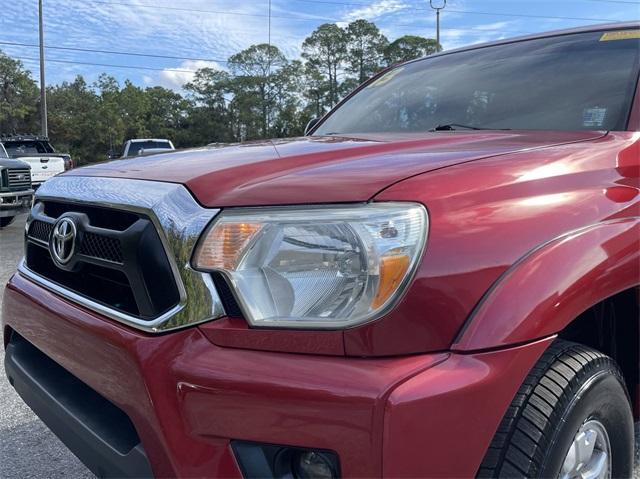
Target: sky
(165,41)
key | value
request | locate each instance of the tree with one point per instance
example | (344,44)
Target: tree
(365,49)
(289,118)
(325,51)
(111,118)
(255,70)
(133,105)
(18,97)
(74,119)
(166,114)
(261,95)
(208,117)
(315,90)
(409,47)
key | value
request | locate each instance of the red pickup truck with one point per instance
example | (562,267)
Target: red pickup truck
(440,280)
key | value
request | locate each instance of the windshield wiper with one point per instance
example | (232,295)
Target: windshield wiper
(460,126)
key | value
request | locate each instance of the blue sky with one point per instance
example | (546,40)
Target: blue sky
(207,32)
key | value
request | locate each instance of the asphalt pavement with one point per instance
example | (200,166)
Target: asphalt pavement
(27,448)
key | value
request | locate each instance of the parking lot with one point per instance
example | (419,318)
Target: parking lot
(28,449)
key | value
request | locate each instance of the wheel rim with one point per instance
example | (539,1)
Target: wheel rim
(589,456)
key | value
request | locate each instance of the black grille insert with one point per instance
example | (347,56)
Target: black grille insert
(40,230)
(99,217)
(103,285)
(102,247)
(124,267)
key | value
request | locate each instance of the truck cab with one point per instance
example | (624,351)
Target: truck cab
(16,192)
(38,152)
(145,146)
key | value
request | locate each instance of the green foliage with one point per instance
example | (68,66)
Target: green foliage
(19,98)
(325,51)
(262,95)
(365,48)
(409,47)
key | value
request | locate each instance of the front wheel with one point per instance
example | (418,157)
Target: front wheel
(6,221)
(571,419)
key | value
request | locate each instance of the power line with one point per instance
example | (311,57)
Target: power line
(111,65)
(524,15)
(310,19)
(355,4)
(216,60)
(216,12)
(114,52)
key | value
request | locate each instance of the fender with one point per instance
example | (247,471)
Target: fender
(553,284)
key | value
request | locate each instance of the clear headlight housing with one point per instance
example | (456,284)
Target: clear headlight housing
(323,267)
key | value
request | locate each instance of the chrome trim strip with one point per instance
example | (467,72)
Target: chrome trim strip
(179,220)
(17,193)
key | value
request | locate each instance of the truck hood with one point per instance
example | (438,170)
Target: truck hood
(12,163)
(320,169)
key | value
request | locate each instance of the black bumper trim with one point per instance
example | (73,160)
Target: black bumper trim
(99,433)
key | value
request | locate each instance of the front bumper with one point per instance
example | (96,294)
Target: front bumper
(15,202)
(430,415)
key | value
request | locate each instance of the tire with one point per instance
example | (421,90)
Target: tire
(6,221)
(572,390)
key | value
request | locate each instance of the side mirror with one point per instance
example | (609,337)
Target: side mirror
(313,122)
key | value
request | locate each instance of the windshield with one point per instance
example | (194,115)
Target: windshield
(3,152)
(136,146)
(27,147)
(581,81)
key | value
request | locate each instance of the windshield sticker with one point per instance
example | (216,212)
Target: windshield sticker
(593,117)
(386,78)
(621,35)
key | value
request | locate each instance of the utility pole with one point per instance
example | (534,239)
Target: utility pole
(43,85)
(268,99)
(437,9)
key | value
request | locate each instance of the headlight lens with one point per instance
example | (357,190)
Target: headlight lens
(328,267)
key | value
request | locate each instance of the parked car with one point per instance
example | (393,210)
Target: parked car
(145,146)
(440,280)
(38,152)
(16,192)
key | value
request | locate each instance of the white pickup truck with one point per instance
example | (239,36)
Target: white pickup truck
(37,151)
(146,146)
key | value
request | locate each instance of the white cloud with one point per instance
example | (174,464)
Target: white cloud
(175,78)
(376,10)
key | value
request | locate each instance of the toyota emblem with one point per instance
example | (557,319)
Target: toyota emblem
(63,240)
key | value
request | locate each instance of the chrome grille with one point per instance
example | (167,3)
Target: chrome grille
(133,212)
(19,178)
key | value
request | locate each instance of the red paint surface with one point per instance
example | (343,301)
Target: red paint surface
(527,230)
(439,423)
(235,333)
(317,169)
(188,398)
(595,263)
(485,215)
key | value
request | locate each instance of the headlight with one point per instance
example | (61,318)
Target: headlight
(324,267)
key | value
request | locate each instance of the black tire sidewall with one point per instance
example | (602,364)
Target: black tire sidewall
(6,221)
(601,397)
